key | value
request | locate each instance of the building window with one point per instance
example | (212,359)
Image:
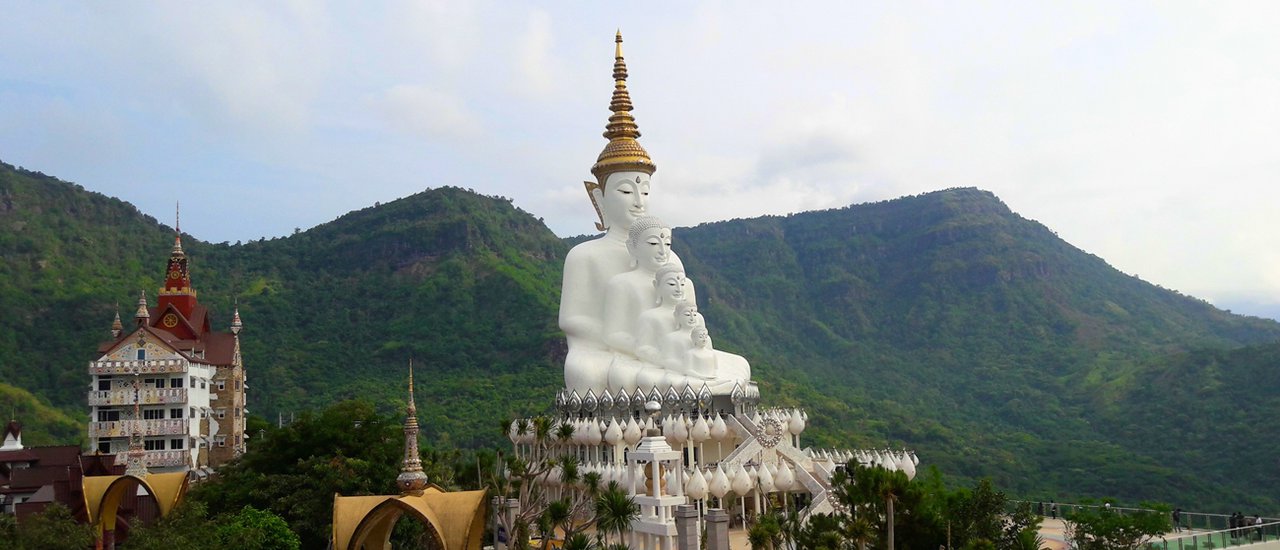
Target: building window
(153,444)
(153,414)
(237,384)
(222,413)
(104,384)
(193,413)
(175,443)
(175,383)
(108,416)
(222,385)
(202,384)
(104,446)
(222,440)
(175,413)
(142,355)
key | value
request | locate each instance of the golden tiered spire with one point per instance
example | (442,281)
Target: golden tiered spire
(177,229)
(411,479)
(142,315)
(116,326)
(623,152)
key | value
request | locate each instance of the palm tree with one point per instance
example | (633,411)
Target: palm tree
(615,510)
(579,541)
(887,486)
(556,515)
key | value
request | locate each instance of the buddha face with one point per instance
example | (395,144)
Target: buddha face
(671,287)
(625,197)
(701,339)
(652,249)
(689,318)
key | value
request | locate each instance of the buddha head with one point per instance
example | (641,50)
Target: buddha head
(649,242)
(669,284)
(687,316)
(701,338)
(623,198)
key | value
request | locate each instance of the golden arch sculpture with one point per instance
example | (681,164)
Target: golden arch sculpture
(102,495)
(456,520)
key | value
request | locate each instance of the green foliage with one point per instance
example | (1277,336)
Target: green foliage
(942,322)
(42,424)
(253,529)
(294,471)
(52,529)
(1101,528)
(190,528)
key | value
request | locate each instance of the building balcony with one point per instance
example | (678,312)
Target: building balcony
(159,459)
(125,428)
(146,396)
(150,366)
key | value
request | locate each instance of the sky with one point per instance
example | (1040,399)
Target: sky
(1144,133)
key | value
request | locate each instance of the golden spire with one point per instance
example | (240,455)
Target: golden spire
(411,479)
(623,152)
(142,315)
(116,326)
(177,229)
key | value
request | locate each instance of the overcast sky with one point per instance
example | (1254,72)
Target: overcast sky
(1148,134)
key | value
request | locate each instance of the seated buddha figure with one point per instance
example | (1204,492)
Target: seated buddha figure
(677,343)
(670,285)
(630,293)
(700,361)
(587,269)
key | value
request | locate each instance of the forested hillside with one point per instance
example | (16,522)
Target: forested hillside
(942,322)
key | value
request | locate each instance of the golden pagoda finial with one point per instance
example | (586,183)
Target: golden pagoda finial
(116,326)
(623,152)
(177,228)
(413,407)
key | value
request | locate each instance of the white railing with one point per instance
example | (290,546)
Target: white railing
(158,458)
(146,396)
(125,428)
(149,366)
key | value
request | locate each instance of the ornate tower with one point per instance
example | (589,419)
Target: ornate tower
(412,481)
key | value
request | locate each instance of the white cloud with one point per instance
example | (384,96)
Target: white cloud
(427,113)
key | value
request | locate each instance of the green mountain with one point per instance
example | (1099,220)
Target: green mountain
(943,322)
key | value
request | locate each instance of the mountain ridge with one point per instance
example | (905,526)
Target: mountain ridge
(941,321)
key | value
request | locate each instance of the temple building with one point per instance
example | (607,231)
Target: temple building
(172,381)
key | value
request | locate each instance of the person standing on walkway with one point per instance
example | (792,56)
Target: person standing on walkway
(1053,508)
(1177,520)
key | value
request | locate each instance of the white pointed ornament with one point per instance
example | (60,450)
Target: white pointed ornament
(675,482)
(613,434)
(795,424)
(765,480)
(680,431)
(633,433)
(741,481)
(701,430)
(696,489)
(784,478)
(719,430)
(719,486)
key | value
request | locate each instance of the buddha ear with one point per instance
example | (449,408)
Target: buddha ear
(596,193)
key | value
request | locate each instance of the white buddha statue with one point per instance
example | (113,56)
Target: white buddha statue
(669,284)
(700,361)
(676,344)
(628,294)
(603,321)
